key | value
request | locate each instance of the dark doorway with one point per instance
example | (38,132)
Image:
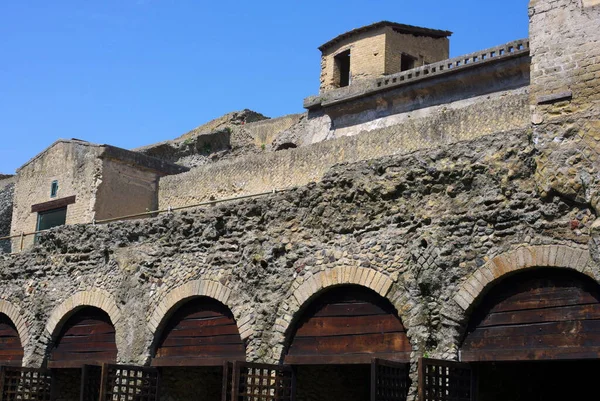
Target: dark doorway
(407,62)
(333,382)
(537,381)
(342,66)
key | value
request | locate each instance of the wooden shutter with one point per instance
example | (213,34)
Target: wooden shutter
(445,381)
(262,382)
(389,380)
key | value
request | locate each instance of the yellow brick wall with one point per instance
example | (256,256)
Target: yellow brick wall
(367,58)
(427,50)
(377,53)
(77,169)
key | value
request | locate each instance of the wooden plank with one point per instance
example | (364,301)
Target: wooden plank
(177,342)
(53,204)
(556,314)
(345,325)
(193,360)
(87,336)
(533,354)
(205,322)
(536,341)
(547,314)
(202,350)
(202,332)
(86,347)
(345,359)
(350,309)
(350,344)
(77,329)
(328,326)
(566,327)
(545,298)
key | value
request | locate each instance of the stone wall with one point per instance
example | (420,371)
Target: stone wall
(424,230)
(230,138)
(367,58)
(565,95)
(376,52)
(77,168)
(425,49)
(438,126)
(7,186)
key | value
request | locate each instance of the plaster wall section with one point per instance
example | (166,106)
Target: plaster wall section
(367,58)
(426,49)
(438,126)
(125,190)
(77,169)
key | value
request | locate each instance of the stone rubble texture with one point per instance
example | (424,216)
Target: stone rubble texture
(429,229)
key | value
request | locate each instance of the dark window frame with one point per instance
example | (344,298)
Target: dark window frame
(54,189)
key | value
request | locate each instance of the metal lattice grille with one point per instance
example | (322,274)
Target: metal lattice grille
(261,382)
(129,383)
(25,384)
(389,380)
(91,378)
(444,380)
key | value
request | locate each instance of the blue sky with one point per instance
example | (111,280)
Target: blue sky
(134,72)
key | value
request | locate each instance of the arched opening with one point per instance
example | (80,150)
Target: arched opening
(536,336)
(195,342)
(335,340)
(11,350)
(86,338)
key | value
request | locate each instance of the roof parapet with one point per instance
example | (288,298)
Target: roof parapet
(516,48)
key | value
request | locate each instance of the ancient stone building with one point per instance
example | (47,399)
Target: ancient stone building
(74,181)
(437,238)
(377,50)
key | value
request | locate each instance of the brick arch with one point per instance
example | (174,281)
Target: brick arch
(196,288)
(522,258)
(305,291)
(97,298)
(19,318)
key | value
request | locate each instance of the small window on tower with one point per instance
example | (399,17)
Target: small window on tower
(54,189)
(407,62)
(342,69)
